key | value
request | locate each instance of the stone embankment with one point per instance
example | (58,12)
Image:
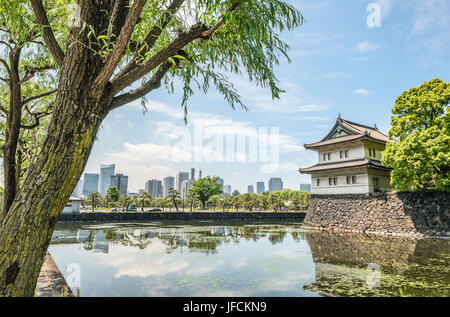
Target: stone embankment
(416,214)
(179,216)
(51,283)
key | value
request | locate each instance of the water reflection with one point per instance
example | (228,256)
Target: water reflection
(248,260)
(407,267)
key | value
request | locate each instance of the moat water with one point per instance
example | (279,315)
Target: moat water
(238,259)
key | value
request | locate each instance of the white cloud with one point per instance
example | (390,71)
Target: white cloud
(151,261)
(361,91)
(367,46)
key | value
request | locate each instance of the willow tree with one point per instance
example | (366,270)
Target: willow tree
(27,87)
(116,52)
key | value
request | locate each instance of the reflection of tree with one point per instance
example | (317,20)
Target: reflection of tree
(408,267)
(110,234)
(88,243)
(275,238)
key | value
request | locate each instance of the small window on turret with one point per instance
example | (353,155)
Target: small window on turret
(329,156)
(318,182)
(346,153)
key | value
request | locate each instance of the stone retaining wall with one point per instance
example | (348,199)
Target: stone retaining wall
(179,216)
(403,214)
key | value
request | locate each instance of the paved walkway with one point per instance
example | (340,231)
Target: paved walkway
(51,282)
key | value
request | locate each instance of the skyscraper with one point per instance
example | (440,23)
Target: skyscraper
(106,171)
(250,189)
(192,173)
(181,177)
(275,183)
(220,182)
(227,190)
(154,188)
(185,187)
(260,188)
(168,183)
(121,182)
(90,183)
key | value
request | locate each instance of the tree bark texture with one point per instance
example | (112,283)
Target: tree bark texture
(26,231)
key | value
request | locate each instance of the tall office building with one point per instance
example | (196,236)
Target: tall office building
(250,189)
(305,187)
(121,182)
(106,171)
(77,191)
(275,183)
(220,182)
(168,183)
(181,177)
(227,190)
(192,173)
(185,187)
(199,174)
(90,184)
(154,188)
(260,188)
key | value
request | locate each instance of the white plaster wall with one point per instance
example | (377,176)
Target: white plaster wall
(378,147)
(354,153)
(361,186)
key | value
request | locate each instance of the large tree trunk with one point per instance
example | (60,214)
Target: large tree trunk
(26,231)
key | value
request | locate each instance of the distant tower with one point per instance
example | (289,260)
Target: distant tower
(192,173)
(106,171)
(260,187)
(200,174)
(275,183)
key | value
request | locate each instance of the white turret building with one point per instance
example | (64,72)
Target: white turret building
(349,160)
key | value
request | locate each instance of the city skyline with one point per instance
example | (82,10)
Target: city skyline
(159,190)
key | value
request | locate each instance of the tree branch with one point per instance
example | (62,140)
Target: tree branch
(184,38)
(6,44)
(153,35)
(25,101)
(37,116)
(118,15)
(3,109)
(5,64)
(207,34)
(152,84)
(47,33)
(121,44)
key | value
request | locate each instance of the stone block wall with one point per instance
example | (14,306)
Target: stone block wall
(180,216)
(402,214)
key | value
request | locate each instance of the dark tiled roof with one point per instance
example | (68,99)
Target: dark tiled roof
(341,165)
(357,131)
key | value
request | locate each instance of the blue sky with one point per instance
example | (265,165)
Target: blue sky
(339,65)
